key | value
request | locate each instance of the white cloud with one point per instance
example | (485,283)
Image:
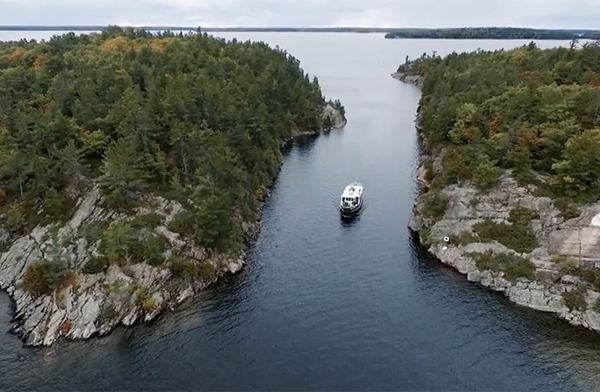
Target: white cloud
(375,13)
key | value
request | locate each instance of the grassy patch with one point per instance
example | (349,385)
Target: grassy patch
(596,307)
(513,266)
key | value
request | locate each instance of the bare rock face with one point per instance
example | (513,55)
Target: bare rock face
(410,79)
(95,304)
(336,118)
(577,238)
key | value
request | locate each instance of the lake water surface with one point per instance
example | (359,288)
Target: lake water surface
(325,305)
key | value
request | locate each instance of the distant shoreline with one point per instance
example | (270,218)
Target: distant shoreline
(464,33)
(208,29)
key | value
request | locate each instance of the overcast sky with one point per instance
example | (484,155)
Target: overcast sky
(312,13)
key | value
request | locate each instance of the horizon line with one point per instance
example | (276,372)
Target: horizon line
(257,28)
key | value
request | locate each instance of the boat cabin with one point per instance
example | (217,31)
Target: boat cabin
(351,195)
(348,201)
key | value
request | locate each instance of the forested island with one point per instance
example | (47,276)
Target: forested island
(511,172)
(494,33)
(133,169)
(206,29)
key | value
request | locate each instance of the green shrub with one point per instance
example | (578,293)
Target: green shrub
(57,207)
(516,236)
(144,299)
(434,205)
(463,238)
(575,299)
(95,265)
(16,219)
(185,268)
(513,266)
(569,266)
(43,277)
(184,223)
(118,243)
(148,220)
(486,175)
(151,249)
(558,259)
(92,231)
(590,276)
(179,266)
(567,208)
(429,170)
(522,216)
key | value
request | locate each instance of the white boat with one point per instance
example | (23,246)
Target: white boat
(352,198)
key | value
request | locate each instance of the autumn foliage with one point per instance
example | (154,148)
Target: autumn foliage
(190,116)
(526,109)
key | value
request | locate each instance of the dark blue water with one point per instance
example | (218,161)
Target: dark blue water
(325,305)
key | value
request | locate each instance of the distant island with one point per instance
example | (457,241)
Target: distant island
(510,172)
(391,33)
(493,33)
(133,169)
(207,29)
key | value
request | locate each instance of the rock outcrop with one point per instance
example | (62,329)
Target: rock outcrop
(406,78)
(335,118)
(565,258)
(89,304)
(559,240)
(331,117)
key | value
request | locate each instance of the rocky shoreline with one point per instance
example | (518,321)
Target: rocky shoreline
(94,304)
(562,280)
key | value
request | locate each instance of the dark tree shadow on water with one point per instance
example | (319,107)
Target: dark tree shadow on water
(303,143)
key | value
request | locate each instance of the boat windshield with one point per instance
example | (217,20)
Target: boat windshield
(350,200)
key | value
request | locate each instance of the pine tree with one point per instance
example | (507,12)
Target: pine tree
(122,174)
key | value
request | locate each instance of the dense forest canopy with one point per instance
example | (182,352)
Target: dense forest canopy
(533,111)
(494,33)
(193,117)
